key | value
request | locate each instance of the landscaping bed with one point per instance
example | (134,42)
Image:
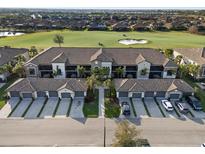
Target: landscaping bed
(112,108)
(91,107)
(3,92)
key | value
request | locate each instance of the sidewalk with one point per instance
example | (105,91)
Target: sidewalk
(101,102)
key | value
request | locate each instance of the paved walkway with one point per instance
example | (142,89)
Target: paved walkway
(101,102)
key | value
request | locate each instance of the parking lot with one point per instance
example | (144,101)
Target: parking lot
(49,108)
(35,108)
(63,107)
(131,110)
(22,107)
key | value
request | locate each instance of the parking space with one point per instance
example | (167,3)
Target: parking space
(22,107)
(196,114)
(126,99)
(171,114)
(35,108)
(77,108)
(152,107)
(49,108)
(139,107)
(63,107)
(10,105)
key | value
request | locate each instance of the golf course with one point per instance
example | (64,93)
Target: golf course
(163,40)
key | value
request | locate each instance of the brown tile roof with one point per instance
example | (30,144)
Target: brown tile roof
(195,54)
(48,84)
(137,85)
(119,56)
(7,54)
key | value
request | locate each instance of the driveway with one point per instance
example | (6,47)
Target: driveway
(49,108)
(139,107)
(63,107)
(131,109)
(35,108)
(152,107)
(22,107)
(171,114)
(77,108)
(10,105)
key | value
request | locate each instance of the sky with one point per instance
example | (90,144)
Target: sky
(100,3)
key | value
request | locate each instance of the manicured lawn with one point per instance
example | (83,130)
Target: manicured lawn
(199,93)
(44,40)
(112,110)
(3,92)
(91,109)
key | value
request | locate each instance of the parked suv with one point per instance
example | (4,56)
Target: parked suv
(125,108)
(167,105)
(194,102)
(182,107)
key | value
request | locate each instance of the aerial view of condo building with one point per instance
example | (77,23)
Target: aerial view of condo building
(102,77)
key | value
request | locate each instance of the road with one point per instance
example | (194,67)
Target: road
(89,132)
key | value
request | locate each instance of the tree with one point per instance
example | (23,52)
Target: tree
(193,69)
(101,73)
(59,39)
(120,72)
(169,53)
(21,59)
(109,84)
(81,71)
(183,70)
(19,70)
(126,135)
(193,30)
(91,82)
(178,59)
(33,52)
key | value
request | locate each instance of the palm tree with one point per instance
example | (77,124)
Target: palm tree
(2,69)
(59,39)
(91,82)
(120,71)
(178,59)
(126,135)
(108,83)
(81,71)
(33,52)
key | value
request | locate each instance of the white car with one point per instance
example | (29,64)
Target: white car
(167,105)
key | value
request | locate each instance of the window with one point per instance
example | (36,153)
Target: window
(32,71)
(203,72)
(169,73)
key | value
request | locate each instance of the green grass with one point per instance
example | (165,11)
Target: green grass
(91,109)
(3,92)
(44,40)
(112,110)
(198,92)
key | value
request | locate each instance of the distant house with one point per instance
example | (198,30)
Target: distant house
(97,26)
(121,26)
(192,56)
(9,55)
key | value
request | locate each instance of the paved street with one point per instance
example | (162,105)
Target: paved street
(89,132)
